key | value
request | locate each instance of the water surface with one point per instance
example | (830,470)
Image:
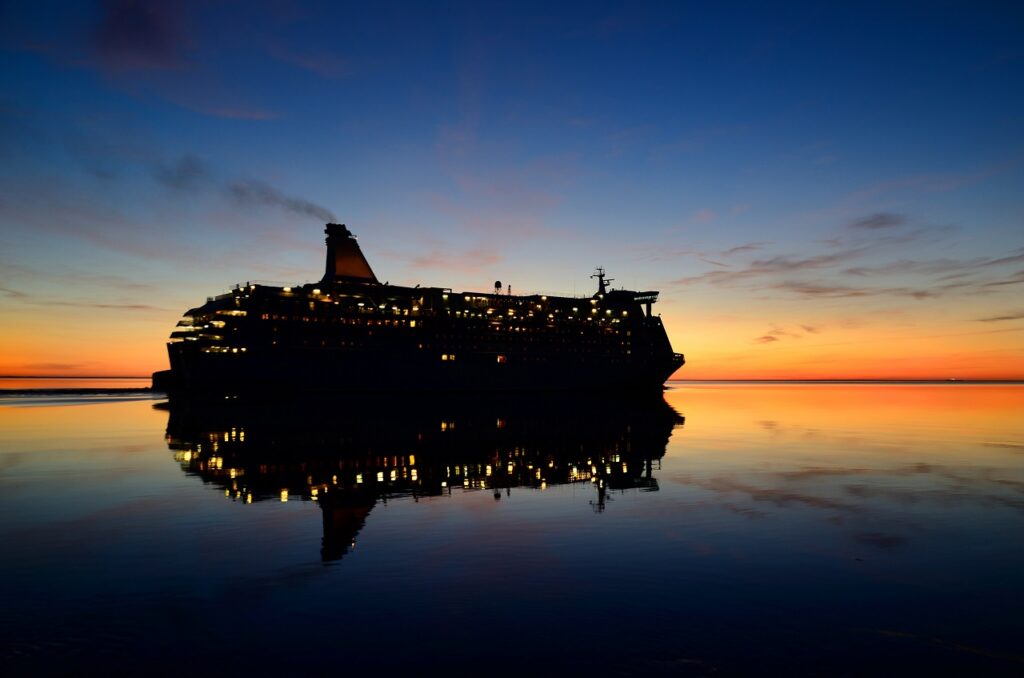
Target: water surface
(814,529)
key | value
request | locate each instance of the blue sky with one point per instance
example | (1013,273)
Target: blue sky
(768,167)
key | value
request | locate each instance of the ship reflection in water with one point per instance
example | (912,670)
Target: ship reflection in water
(349,455)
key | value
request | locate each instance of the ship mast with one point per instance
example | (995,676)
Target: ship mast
(601,280)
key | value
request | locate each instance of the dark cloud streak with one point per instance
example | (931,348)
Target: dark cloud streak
(185,174)
(1016,315)
(879,220)
(746,247)
(139,35)
(12,293)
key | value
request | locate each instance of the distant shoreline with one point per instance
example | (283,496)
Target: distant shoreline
(16,392)
(39,376)
(944,382)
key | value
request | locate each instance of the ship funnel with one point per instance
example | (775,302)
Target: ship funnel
(345,261)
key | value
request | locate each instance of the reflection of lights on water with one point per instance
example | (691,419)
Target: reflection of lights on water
(284,494)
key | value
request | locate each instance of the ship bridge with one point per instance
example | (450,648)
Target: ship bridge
(646,298)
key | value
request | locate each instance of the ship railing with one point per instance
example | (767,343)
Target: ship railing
(263,283)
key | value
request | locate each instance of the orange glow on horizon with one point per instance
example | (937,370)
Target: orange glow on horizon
(108,343)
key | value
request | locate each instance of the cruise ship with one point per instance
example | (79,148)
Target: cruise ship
(350,332)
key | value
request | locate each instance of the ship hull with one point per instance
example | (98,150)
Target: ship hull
(378,371)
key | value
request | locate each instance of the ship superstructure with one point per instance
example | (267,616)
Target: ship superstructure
(351,332)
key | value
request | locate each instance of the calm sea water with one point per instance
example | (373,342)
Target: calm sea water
(806,529)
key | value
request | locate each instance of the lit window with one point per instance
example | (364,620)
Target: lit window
(501,359)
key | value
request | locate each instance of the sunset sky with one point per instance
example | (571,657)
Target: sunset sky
(819,190)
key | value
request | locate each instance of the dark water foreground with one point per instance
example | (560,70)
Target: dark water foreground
(729,529)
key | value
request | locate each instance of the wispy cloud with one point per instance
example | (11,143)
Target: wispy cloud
(107,306)
(47,301)
(948,268)
(879,220)
(1015,279)
(828,273)
(705,215)
(151,49)
(779,333)
(780,264)
(323,63)
(1013,315)
(66,367)
(740,249)
(12,293)
(819,290)
(73,214)
(140,35)
(471,260)
(184,174)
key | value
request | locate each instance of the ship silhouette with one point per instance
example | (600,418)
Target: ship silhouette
(350,332)
(349,454)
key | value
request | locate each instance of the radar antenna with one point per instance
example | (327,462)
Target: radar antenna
(601,280)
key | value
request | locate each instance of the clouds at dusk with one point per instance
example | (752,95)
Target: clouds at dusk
(878,221)
(157,153)
(140,35)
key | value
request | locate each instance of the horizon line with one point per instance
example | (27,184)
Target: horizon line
(847,380)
